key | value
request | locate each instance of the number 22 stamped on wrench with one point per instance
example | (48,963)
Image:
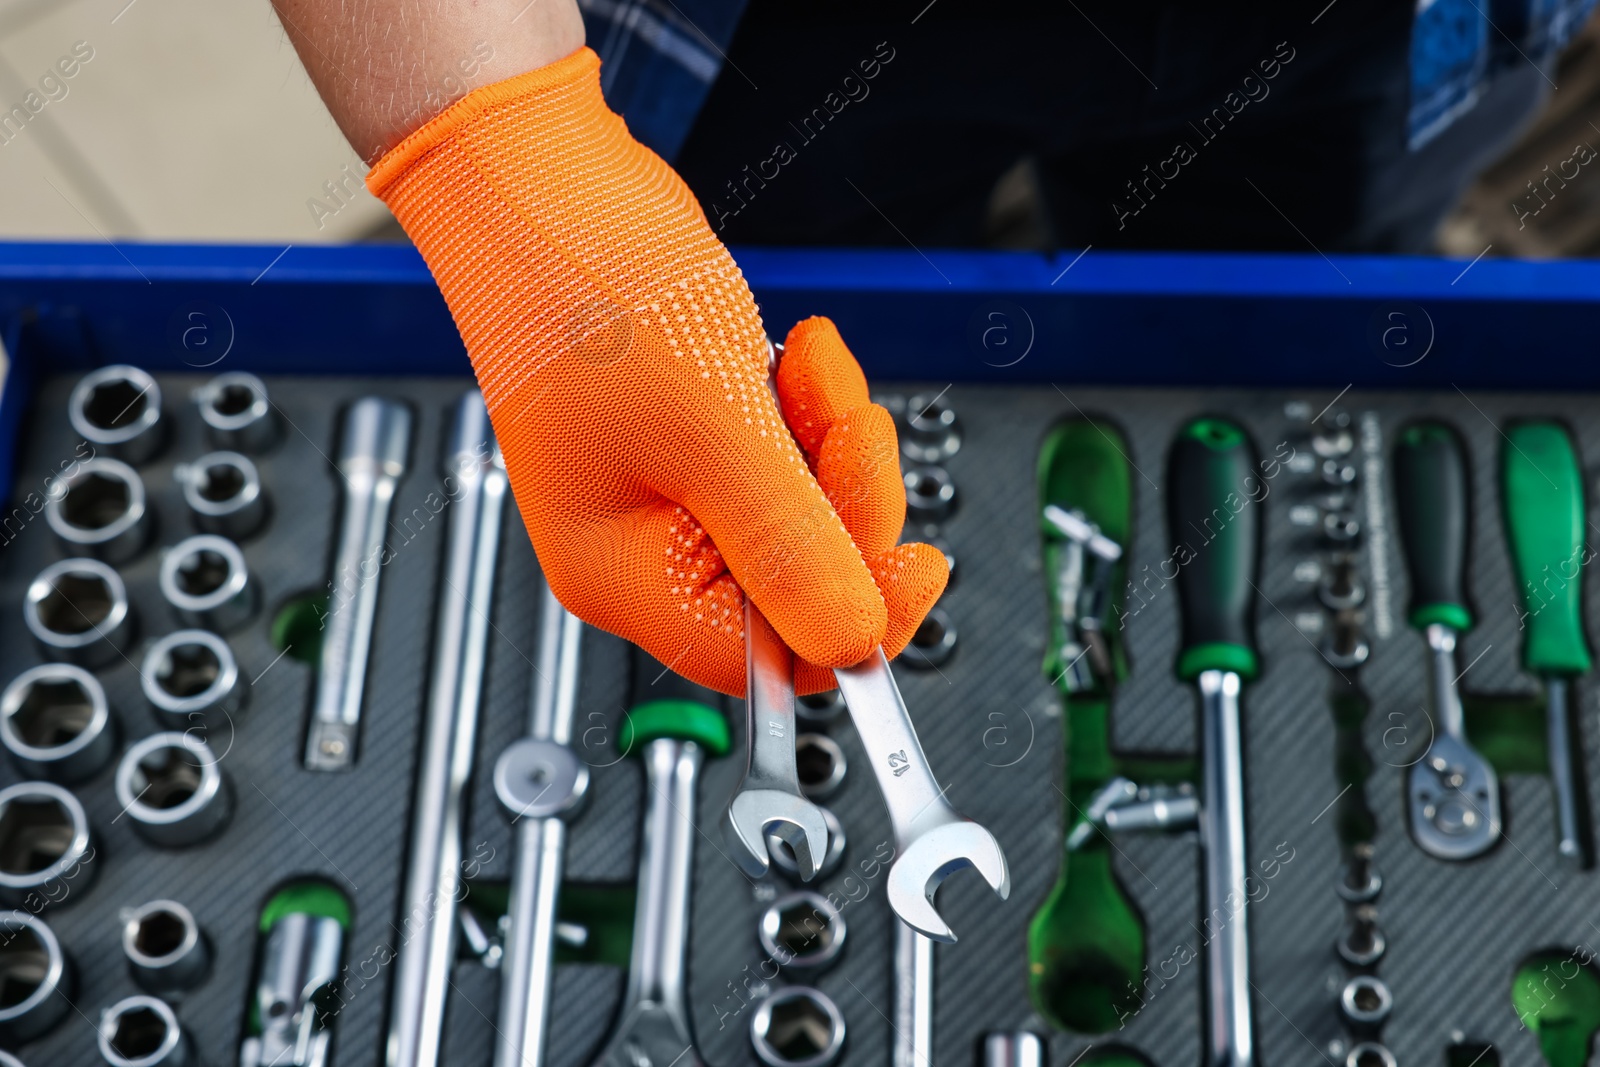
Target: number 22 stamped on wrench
(932,839)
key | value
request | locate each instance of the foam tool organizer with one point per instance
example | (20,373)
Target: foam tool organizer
(1266,660)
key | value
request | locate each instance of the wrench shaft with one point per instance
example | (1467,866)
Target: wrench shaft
(770,704)
(881,718)
(1232,1040)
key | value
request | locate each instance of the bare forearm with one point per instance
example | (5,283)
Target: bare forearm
(385,67)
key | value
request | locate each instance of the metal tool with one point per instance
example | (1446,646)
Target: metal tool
(460,644)
(933,643)
(224,494)
(56,723)
(930,494)
(1085,561)
(769,801)
(100,510)
(932,431)
(802,931)
(295,996)
(1341,587)
(206,581)
(192,680)
(44,845)
(1369,1054)
(932,840)
(35,975)
(1345,647)
(143,1031)
(797,1026)
(1212,462)
(1362,944)
(1360,882)
(1453,790)
(819,709)
(117,409)
(237,413)
(172,791)
(672,726)
(821,766)
(77,610)
(1017,1048)
(1121,806)
(1365,1003)
(783,856)
(8,1060)
(1542,492)
(913,999)
(541,783)
(166,951)
(372,458)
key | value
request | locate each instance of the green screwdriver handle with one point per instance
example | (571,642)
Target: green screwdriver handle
(1214,518)
(1541,489)
(1430,479)
(664,704)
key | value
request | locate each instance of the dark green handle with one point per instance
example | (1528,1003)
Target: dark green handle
(1430,480)
(664,704)
(1214,494)
(1542,492)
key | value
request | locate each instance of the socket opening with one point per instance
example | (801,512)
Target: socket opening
(96,501)
(167,778)
(25,965)
(114,404)
(76,603)
(1367,999)
(221,482)
(233,399)
(931,633)
(53,713)
(161,933)
(819,763)
(188,669)
(926,484)
(797,1026)
(35,833)
(204,572)
(1370,1055)
(803,928)
(139,1031)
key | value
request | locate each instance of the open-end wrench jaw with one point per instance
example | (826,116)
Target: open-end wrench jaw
(933,855)
(756,814)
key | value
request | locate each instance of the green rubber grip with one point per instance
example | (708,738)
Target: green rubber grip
(1214,494)
(665,704)
(1541,489)
(1430,480)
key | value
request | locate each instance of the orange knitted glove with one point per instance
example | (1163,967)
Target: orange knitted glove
(625,368)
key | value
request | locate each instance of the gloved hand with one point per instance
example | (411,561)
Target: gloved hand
(624,365)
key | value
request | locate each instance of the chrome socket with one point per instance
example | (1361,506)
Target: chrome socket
(1365,1003)
(191,678)
(1370,1054)
(1362,944)
(224,494)
(783,856)
(1360,882)
(44,845)
(56,723)
(802,932)
(78,610)
(35,975)
(932,431)
(1019,1048)
(166,950)
(797,1026)
(820,763)
(237,414)
(930,494)
(819,709)
(172,791)
(206,581)
(100,510)
(143,1031)
(117,409)
(933,643)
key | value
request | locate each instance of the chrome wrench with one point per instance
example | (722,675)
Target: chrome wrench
(932,839)
(460,641)
(541,783)
(372,458)
(768,800)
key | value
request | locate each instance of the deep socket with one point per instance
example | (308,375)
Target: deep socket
(100,510)
(117,409)
(206,581)
(56,723)
(78,610)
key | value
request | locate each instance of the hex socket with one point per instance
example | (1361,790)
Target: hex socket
(100,510)
(930,494)
(56,723)
(1370,1054)
(172,790)
(143,1031)
(1365,1003)
(1020,1048)
(224,494)
(117,409)
(932,431)
(934,642)
(192,680)
(44,845)
(237,413)
(802,931)
(206,581)
(35,974)
(820,763)
(166,949)
(797,1026)
(78,610)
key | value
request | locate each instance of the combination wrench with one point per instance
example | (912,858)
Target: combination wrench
(768,800)
(372,458)
(460,643)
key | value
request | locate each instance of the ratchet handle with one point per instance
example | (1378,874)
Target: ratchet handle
(1214,518)
(1542,493)
(1430,479)
(666,704)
